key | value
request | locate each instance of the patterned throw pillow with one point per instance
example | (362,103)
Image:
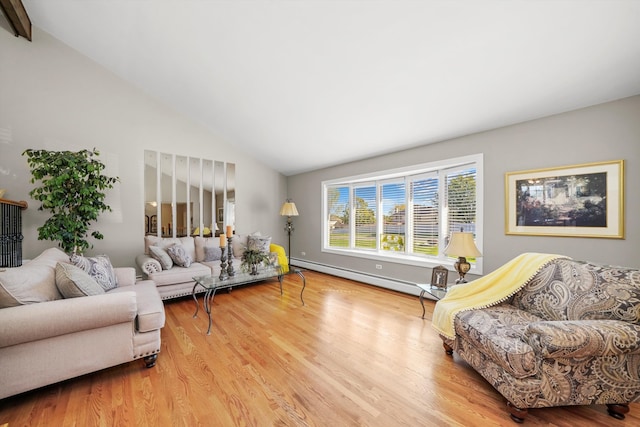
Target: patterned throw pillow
(99,268)
(211,253)
(179,256)
(74,282)
(162,256)
(259,243)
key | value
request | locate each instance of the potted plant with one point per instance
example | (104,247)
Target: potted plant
(252,258)
(72,190)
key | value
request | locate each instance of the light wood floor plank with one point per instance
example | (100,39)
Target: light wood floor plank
(354,355)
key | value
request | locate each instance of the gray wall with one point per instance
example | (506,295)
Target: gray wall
(51,97)
(608,131)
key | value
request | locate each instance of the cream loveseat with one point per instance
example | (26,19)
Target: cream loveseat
(173,271)
(570,335)
(45,338)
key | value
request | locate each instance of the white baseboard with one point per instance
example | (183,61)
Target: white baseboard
(370,279)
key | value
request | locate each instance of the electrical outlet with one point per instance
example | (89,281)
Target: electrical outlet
(379,266)
(303,253)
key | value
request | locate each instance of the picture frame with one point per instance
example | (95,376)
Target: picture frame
(585,200)
(439,277)
(221,215)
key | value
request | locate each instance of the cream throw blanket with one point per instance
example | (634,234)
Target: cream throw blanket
(487,291)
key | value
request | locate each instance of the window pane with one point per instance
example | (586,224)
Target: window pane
(338,216)
(461,200)
(394,217)
(424,196)
(365,217)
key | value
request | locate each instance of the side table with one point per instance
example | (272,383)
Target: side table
(437,293)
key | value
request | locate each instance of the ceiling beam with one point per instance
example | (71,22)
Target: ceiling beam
(17,16)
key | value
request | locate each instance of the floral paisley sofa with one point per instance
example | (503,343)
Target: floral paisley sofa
(569,335)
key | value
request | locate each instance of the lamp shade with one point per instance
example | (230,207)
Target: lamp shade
(462,245)
(289,209)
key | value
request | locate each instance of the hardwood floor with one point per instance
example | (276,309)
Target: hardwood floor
(354,355)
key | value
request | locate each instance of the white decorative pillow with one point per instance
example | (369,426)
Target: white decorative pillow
(74,282)
(259,243)
(99,268)
(162,256)
(179,256)
(211,253)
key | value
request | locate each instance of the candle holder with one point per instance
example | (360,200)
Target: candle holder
(230,270)
(223,266)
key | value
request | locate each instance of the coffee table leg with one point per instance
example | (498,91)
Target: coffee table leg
(208,300)
(422,302)
(195,300)
(304,283)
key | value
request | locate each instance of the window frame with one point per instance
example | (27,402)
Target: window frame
(406,175)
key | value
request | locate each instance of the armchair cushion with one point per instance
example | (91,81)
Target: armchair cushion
(73,282)
(498,332)
(583,338)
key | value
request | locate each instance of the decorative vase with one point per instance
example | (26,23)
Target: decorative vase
(254,269)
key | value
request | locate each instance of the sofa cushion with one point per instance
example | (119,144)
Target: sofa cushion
(33,282)
(98,267)
(161,256)
(164,242)
(179,255)
(179,274)
(212,253)
(258,243)
(239,245)
(73,282)
(204,242)
(498,332)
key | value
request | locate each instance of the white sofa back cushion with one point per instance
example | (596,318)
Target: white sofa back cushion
(201,242)
(165,242)
(33,282)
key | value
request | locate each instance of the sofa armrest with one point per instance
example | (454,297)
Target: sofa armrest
(583,338)
(126,276)
(42,320)
(148,265)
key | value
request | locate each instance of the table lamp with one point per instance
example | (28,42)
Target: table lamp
(462,246)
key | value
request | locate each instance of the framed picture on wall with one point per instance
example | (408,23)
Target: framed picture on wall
(439,277)
(221,215)
(572,201)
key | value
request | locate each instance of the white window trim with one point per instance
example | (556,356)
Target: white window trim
(404,258)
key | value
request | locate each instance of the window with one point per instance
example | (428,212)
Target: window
(405,215)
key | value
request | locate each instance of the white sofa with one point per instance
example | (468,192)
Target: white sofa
(45,338)
(177,281)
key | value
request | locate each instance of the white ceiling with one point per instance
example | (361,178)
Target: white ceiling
(308,84)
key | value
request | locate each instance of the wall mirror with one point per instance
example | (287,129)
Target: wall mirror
(187,196)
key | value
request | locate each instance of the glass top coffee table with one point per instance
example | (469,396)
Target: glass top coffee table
(212,284)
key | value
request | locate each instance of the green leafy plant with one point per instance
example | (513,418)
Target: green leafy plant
(72,190)
(252,259)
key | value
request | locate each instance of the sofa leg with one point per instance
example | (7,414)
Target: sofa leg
(617,410)
(447,348)
(518,415)
(150,361)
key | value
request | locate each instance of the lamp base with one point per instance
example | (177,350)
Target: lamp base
(462,267)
